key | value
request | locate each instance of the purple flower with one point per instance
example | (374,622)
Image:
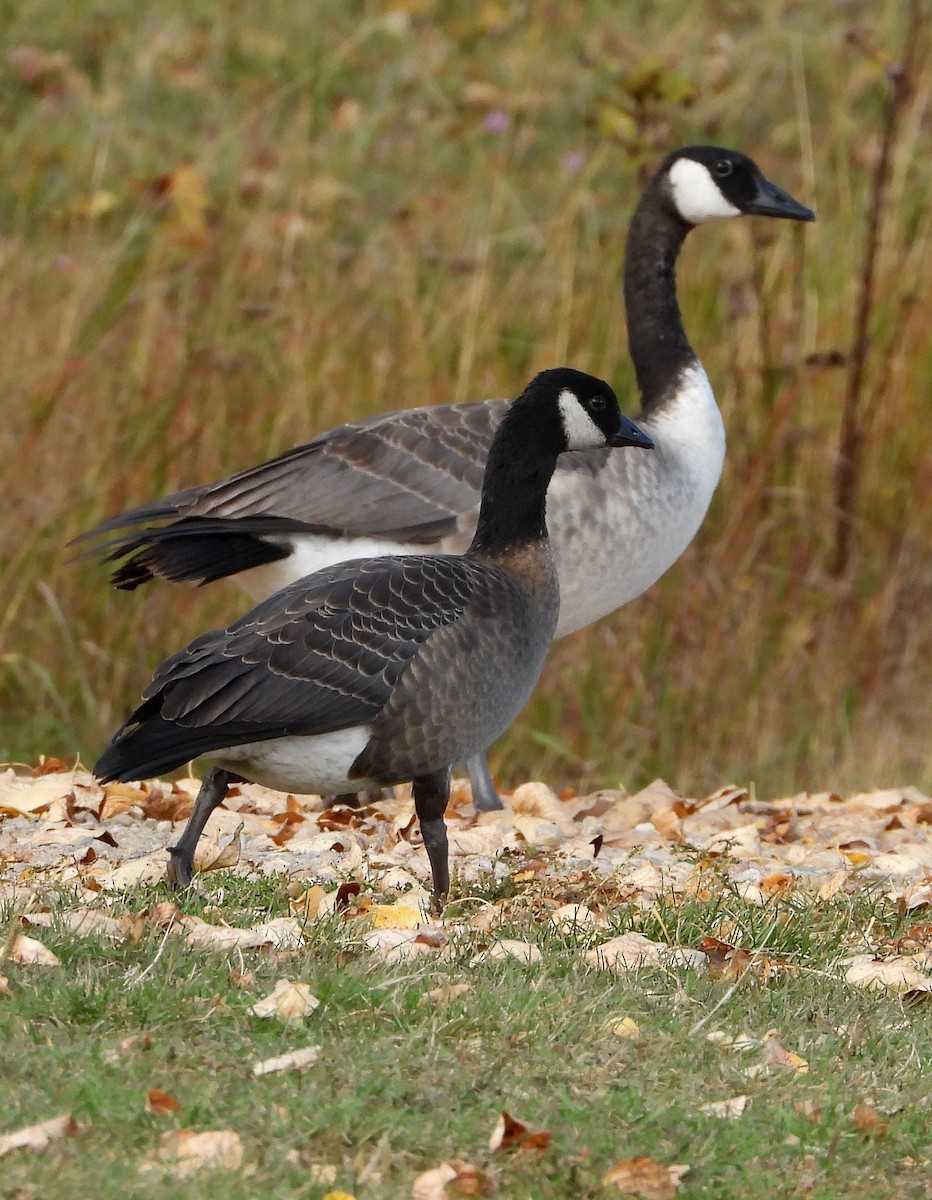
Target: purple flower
(496,121)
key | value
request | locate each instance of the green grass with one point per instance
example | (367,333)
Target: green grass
(370,243)
(401,1086)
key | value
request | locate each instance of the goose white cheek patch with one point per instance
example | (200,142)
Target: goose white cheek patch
(581,431)
(696,194)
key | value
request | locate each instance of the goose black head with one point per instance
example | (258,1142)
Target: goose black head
(705,182)
(587,408)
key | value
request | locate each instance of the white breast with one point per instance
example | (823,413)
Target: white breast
(616,533)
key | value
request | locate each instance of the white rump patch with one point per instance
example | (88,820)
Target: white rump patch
(581,431)
(696,195)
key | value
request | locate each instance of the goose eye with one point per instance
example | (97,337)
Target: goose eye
(597,403)
(723,168)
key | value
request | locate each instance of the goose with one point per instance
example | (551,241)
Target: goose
(383,669)
(408,482)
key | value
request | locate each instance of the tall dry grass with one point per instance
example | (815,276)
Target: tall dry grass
(226,228)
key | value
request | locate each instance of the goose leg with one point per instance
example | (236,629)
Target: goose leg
(212,793)
(485,797)
(431,795)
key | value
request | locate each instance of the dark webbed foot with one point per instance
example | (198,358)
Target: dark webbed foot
(485,795)
(431,796)
(212,793)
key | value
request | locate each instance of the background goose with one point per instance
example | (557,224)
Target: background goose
(409,481)
(383,669)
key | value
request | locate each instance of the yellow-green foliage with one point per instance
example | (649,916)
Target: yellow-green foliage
(225,227)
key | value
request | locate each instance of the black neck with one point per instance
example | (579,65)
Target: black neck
(520,465)
(657,340)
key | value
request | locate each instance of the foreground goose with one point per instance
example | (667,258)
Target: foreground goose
(382,670)
(408,482)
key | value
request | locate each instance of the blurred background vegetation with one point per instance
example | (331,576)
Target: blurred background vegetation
(227,226)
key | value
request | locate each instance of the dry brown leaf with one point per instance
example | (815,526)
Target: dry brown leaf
(776,1055)
(306,905)
(455,1178)
(83,922)
(288,1001)
(632,951)
(668,824)
(511,1134)
(27,796)
(119,798)
(897,976)
(37,1137)
(160,1103)
(833,886)
(28,952)
(432,1184)
(294,1060)
(281,932)
(5,986)
(182,1152)
(867,1120)
(502,948)
(645,1177)
(446,993)
(627,1029)
(571,917)
(726,1110)
(400,945)
(149,868)
(215,855)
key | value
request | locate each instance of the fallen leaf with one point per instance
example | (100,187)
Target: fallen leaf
(867,1120)
(444,994)
(288,1001)
(727,1110)
(776,1055)
(571,917)
(627,1029)
(395,916)
(29,952)
(432,1184)
(37,1137)
(305,906)
(5,986)
(149,868)
(454,1178)
(83,922)
(501,948)
(897,976)
(400,945)
(281,932)
(184,1152)
(215,855)
(294,1060)
(632,951)
(160,1103)
(510,1133)
(645,1177)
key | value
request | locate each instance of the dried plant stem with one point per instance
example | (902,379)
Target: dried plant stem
(848,466)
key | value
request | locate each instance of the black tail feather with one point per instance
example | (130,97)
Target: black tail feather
(147,745)
(197,550)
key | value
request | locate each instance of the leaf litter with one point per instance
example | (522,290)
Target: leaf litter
(60,828)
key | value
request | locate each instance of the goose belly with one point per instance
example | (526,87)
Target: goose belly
(314,764)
